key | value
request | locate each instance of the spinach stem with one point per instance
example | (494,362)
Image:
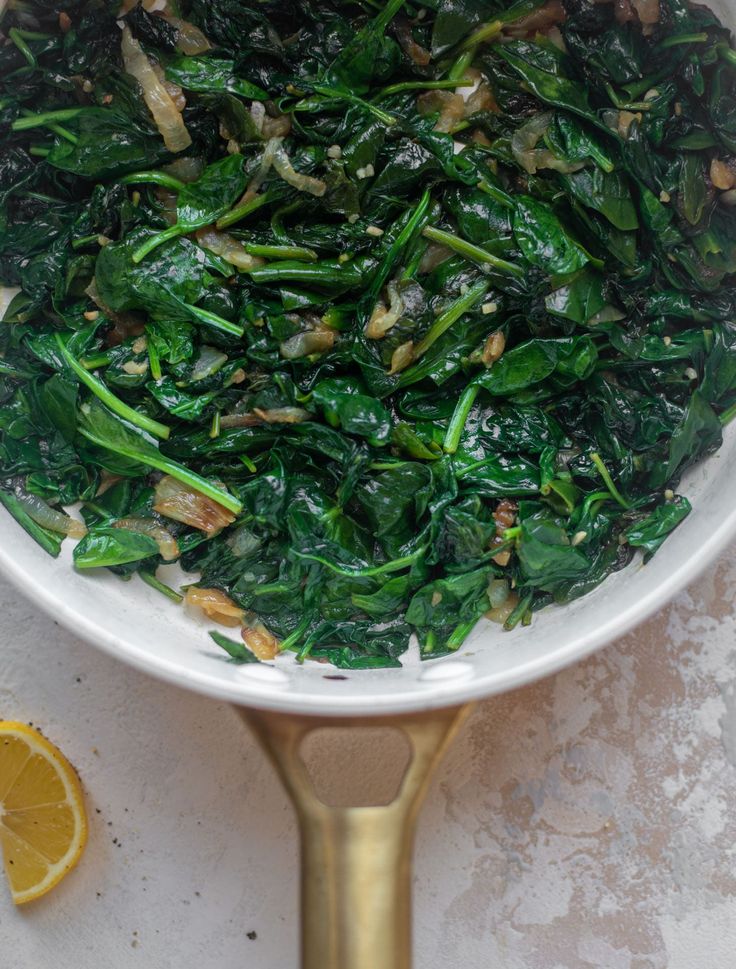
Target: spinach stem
(460,66)
(422,86)
(608,480)
(396,565)
(496,193)
(84,241)
(43,119)
(675,39)
(17,37)
(215,428)
(39,152)
(472,252)
(483,34)
(150,579)
(247,208)
(154,360)
(340,95)
(519,612)
(157,240)
(213,320)
(153,458)
(395,249)
(299,253)
(153,178)
(453,313)
(92,363)
(460,415)
(116,405)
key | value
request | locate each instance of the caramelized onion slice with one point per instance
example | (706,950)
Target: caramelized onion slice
(167,544)
(215,605)
(184,504)
(260,641)
(159,102)
(48,517)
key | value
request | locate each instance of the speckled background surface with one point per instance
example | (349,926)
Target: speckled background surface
(586,821)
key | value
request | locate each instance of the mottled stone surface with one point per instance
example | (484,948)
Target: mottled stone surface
(586,821)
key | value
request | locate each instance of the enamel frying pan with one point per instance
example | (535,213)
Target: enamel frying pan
(356,860)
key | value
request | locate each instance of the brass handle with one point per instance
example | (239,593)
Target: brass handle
(356,861)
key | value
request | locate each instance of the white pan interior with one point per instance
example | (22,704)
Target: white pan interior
(133,622)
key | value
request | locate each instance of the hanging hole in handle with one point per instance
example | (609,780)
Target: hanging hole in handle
(356,766)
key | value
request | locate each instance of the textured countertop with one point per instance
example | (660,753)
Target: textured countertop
(586,821)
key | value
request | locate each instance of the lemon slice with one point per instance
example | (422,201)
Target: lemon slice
(43,825)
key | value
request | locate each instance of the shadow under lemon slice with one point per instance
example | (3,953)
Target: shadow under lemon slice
(43,824)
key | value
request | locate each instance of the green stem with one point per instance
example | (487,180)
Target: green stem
(394,566)
(519,612)
(675,39)
(92,363)
(460,415)
(483,34)
(48,542)
(727,54)
(154,459)
(330,92)
(250,465)
(458,69)
(116,405)
(496,193)
(299,253)
(16,36)
(293,638)
(150,579)
(213,320)
(387,15)
(85,241)
(608,480)
(396,248)
(39,152)
(215,428)
(472,252)
(154,360)
(63,133)
(158,240)
(153,178)
(41,120)
(247,208)
(460,633)
(422,86)
(453,313)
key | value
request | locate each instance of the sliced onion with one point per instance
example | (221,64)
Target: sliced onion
(451,108)
(269,153)
(47,517)
(303,183)
(209,361)
(722,175)
(524,146)
(647,10)
(551,14)
(278,127)
(282,415)
(501,613)
(623,11)
(167,544)
(187,169)
(260,641)
(383,318)
(402,356)
(187,505)
(228,248)
(243,542)
(168,119)
(498,592)
(215,605)
(258,114)
(414,51)
(307,343)
(434,256)
(493,348)
(189,39)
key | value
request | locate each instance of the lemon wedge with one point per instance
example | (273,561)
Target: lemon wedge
(43,824)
